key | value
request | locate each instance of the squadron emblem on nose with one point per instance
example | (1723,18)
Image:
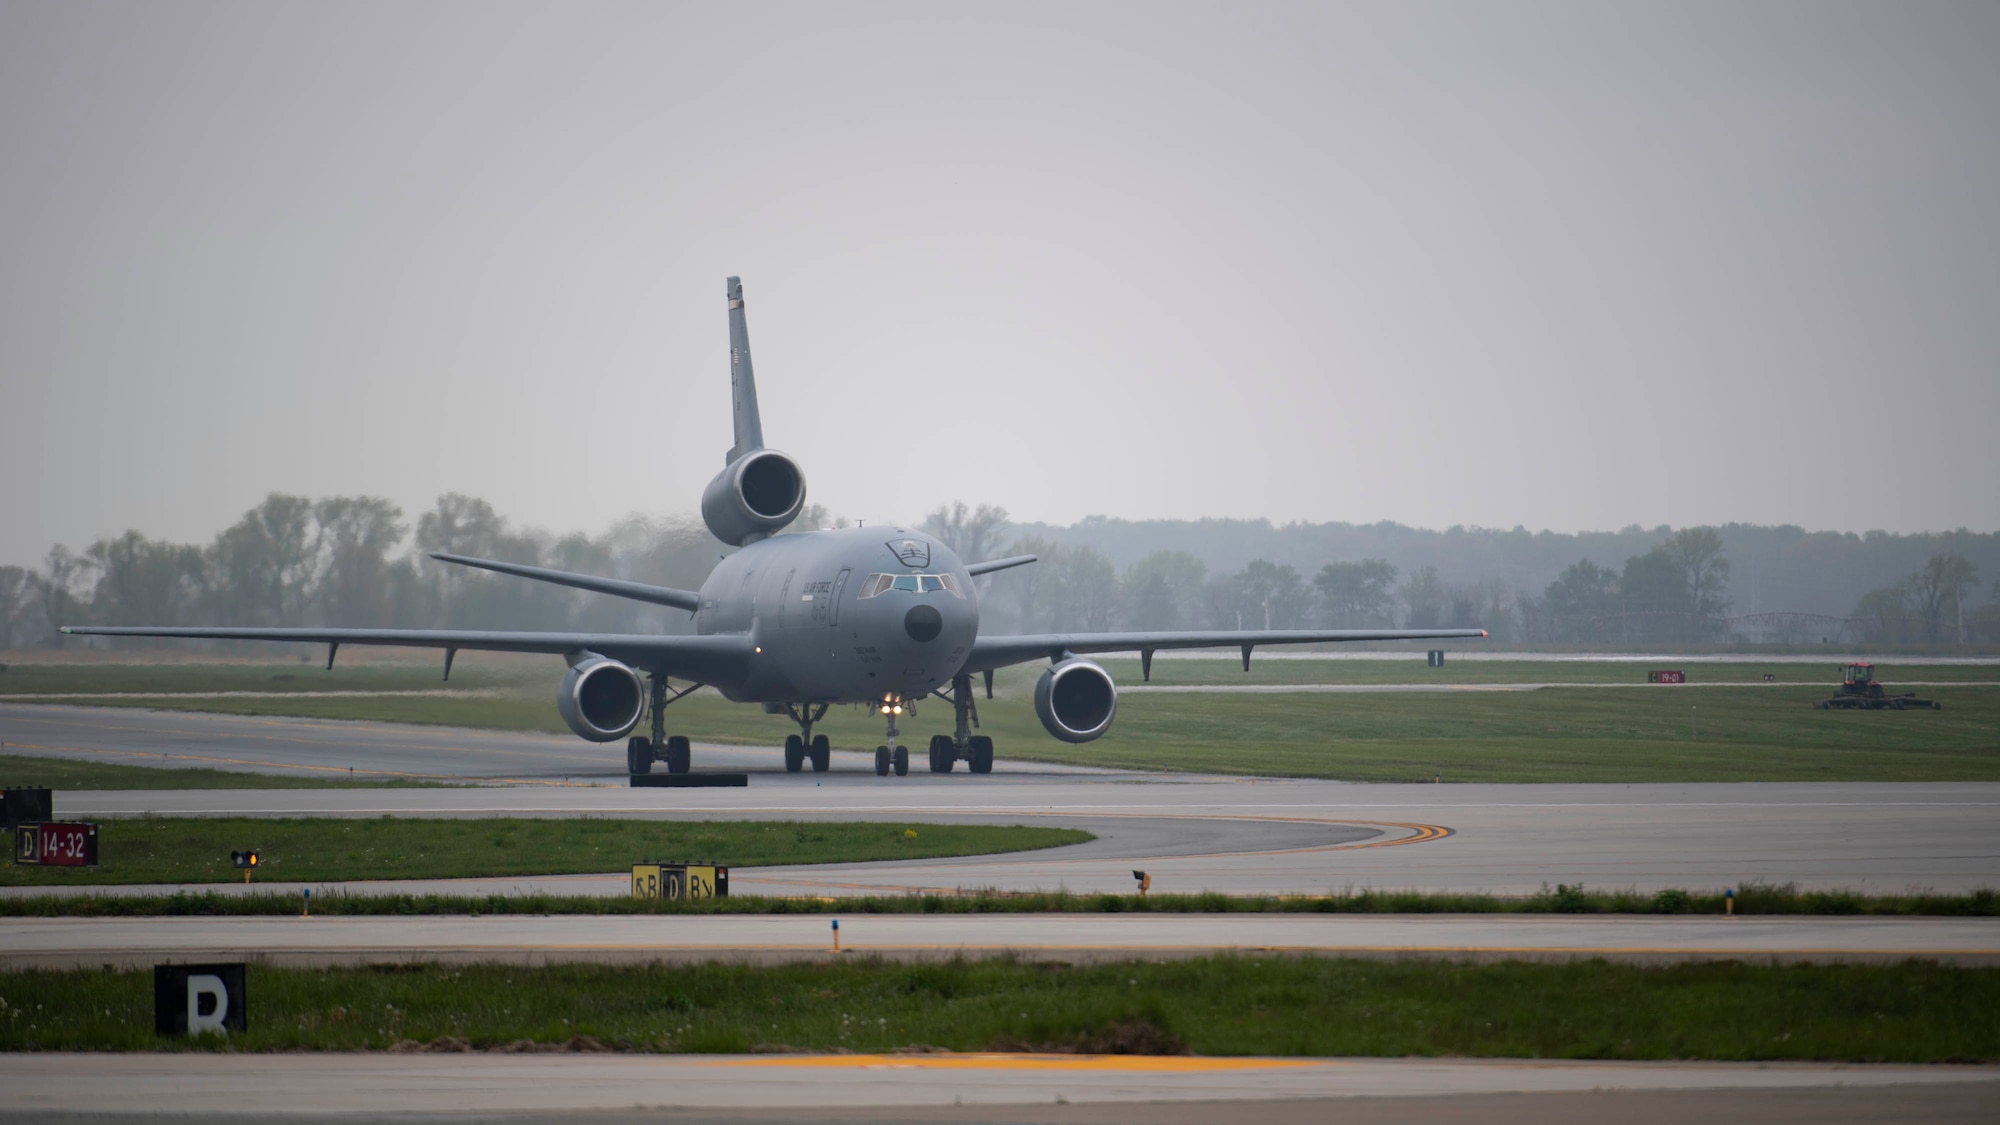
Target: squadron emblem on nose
(911,552)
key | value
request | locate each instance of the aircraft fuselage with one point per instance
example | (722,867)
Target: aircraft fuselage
(851,615)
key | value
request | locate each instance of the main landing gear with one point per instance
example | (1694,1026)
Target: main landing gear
(976,750)
(641,751)
(806,746)
(947,750)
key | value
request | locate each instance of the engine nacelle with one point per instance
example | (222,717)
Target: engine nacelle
(759,493)
(601,699)
(1076,700)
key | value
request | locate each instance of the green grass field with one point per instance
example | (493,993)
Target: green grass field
(1914,1012)
(196,849)
(1589,734)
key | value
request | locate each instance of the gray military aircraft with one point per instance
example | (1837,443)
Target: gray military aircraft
(881,617)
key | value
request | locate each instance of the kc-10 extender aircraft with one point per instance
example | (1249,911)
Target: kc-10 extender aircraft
(877,616)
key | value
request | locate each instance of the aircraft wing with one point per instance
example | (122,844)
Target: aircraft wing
(717,658)
(989,653)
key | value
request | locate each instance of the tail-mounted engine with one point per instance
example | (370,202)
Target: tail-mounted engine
(601,699)
(758,494)
(1076,700)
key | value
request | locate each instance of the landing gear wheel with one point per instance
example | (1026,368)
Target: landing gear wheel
(679,754)
(981,754)
(881,761)
(638,755)
(943,753)
(901,758)
(795,753)
(822,754)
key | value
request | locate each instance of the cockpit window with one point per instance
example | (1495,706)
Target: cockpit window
(878,584)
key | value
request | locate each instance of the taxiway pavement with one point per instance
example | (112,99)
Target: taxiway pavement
(1159,1091)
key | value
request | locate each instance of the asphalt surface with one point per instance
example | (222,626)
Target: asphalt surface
(1192,833)
(958,1087)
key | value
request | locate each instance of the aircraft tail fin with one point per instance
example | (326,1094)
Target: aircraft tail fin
(742,382)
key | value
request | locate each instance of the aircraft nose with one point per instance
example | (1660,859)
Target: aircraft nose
(923,623)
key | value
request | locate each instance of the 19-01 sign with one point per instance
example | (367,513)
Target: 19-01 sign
(58,843)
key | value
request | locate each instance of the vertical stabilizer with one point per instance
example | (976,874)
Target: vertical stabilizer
(742,383)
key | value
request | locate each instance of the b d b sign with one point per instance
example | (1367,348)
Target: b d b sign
(193,999)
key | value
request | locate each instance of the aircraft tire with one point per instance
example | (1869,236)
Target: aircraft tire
(881,761)
(943,753)
(680,755)
(901,759)
(822,756)
(795,753)
(981,754)
(638,756)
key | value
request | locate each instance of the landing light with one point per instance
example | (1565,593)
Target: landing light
(896,710)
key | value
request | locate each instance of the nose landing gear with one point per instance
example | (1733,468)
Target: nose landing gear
(892,756)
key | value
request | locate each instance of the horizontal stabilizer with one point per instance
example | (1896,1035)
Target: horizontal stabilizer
(618,588)
(991,565)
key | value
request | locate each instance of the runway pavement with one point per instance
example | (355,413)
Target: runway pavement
(980,1088)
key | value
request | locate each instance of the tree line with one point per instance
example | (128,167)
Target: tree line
(356,561)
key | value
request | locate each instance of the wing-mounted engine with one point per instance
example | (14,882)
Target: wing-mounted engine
(757,495)
(1076,700)
(601,699)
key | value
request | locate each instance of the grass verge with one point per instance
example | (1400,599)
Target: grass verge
(1564,899)
(196,849)
(1914,1012)
(1618,735)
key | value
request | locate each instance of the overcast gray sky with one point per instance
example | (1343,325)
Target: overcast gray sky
(1567,266)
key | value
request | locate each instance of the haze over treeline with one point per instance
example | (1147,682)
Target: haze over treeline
(362,562)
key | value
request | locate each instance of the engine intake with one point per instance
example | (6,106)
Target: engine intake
(758,493)
(1076,700)
(601,699)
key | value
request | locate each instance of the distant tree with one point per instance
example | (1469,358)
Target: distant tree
(467,525)
(356,534)
(1356,595)
(143,582)
(1079,591)
(970,533)
(60,605)
(1653,598)
(1939,588)
(1886,616)
(1163,590)
(264,565)
(1983,622)
(1580,605)
(1424,600)
(20,596)
(1705,573)
(1264,595)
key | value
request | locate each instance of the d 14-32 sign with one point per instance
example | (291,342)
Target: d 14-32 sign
(57,843)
